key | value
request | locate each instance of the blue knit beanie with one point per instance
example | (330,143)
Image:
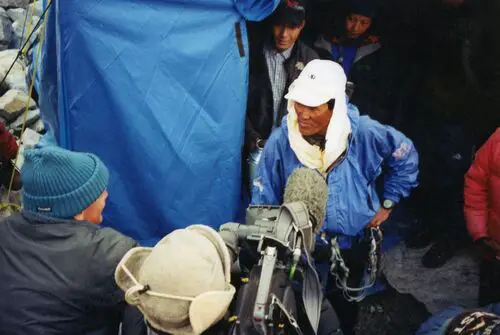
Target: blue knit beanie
(61,183)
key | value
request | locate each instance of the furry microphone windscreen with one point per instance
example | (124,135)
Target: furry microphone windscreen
(308,186)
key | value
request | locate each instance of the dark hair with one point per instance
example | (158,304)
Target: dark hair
(331,104)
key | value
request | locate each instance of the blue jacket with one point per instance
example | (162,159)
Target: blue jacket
(374,149)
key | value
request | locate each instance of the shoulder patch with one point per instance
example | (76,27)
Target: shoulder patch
(402,151)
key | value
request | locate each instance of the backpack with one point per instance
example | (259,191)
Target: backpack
(280,305)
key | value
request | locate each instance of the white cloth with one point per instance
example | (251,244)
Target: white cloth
(319,82)
(337,137)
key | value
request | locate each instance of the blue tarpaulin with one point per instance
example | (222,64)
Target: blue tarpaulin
(157,89)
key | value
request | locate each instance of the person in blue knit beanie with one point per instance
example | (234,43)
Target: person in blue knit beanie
(64,184)
(56,263)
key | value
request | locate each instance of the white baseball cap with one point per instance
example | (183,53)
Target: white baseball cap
(319,82)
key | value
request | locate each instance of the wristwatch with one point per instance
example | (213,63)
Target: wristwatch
(388,204)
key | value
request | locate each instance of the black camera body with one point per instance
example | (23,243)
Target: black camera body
(281,239)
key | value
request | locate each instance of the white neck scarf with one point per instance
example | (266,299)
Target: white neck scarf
(337,137)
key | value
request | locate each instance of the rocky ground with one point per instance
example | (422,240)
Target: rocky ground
(14,91)
(17,105)
(391,313)
(415,292)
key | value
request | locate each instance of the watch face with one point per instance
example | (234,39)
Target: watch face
(388,204)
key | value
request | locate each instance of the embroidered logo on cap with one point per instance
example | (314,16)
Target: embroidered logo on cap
(44,209)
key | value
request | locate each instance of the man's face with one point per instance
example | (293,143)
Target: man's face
(93,214)
(285,35)
(313,120)
(357,25)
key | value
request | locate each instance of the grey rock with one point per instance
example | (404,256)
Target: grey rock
(32,117)
(13,103)
(2,10)
(6,31)
(30,138)
(17,14)
(18,28)
(14,3)
(38,7)
(17,76)
(14,200)
(454,284)
(38,126)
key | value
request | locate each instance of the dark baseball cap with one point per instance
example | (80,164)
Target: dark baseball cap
(290,12)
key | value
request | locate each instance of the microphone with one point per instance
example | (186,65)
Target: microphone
(305,197)
(308,186)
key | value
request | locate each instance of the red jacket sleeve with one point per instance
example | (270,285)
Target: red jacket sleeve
(8,144)
(476,189)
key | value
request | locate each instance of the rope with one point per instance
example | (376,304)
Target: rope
(356,294)
(24,26)
(31,15)
(25,114)
(19,53)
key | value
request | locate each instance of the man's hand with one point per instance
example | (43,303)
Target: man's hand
(379,218)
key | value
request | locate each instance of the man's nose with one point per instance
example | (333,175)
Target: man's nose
(304,113)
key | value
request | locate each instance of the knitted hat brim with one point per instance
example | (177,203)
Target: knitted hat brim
(73,203)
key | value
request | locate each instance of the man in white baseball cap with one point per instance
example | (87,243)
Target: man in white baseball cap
(182,285)
(323,131)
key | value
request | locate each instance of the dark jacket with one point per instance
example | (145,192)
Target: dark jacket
(58,277)
(260,116)
(372,78)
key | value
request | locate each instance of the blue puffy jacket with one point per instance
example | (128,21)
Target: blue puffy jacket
(374,149)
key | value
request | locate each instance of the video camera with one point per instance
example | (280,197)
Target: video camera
(283,238)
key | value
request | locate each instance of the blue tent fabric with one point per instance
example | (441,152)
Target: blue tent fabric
(46,79)
(158,90)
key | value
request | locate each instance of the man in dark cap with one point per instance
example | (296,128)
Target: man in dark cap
(276,60)
(352,42)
